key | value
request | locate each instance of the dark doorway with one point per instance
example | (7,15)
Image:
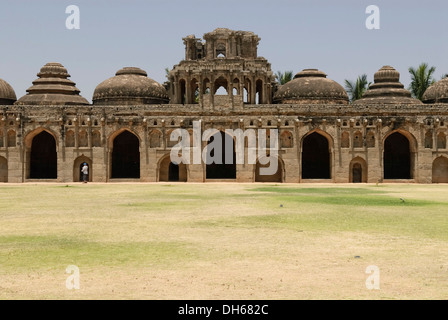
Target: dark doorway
(397,157)
(440,170)
(223,170)
(43,158)
(357,173)
(315,157)
(126,156)
(173,172)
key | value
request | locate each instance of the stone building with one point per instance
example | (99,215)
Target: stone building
(222,83)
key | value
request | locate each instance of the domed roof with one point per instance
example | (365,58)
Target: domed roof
(437,93)
(7,94)
(130,86)
(311,86)
(387,89)
(52,88)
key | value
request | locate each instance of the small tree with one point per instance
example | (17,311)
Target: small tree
(421,79)
(356,89)
(167,72)
(284,77)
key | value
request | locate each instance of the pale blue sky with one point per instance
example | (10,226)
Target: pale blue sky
(295,34)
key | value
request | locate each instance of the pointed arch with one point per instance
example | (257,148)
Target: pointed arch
(83,140)
(155,139)
(125,155)
(70,139)
(317,148)
(441,140)
(358,170)
(440,170)
(399,150)
(11,141)
(286,139)
(96,138)
(370,139)
(43,156)
(78,164)
(345,140)
(357,140)
(170,171)
(3,169)
(428,139)
(219,166)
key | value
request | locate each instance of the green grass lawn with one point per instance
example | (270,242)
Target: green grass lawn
(223,241)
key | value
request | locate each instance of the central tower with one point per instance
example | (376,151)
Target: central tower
(224,71)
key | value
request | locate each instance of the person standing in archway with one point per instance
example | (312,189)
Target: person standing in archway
(85,172)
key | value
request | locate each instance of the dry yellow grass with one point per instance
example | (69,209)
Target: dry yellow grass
(223,241)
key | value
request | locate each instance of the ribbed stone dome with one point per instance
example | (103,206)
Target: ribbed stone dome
(387,89)
(7,94)
(130,86)
(52,88)
(311,86)
(437,93)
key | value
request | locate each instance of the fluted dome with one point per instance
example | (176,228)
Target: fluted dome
(53,88)
(311,86)
(437,93)
(387,89)
(130,86)
(7,94)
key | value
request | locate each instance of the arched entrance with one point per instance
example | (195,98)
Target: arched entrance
(126,156)
(276,177)
(43,157)
(219,169)
(397,157)
(440,170)
(316,157)
(169,171)
(77,166)
(3,169)
(358,170)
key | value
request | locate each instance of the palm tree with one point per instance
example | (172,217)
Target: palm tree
(167,72)
(421,79)
(356,89)
(284,77)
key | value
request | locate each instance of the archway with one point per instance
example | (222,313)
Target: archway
(358,171)
(3,169)
(43,157)
(276,177)
(126,156)
(397,157)
(219,169)
(316,157)
(440,170)
(77,166)
(170,171)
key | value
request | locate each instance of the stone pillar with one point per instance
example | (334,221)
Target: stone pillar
(89,133)
(176,91)
(76,121)
(188,93)
(253,91)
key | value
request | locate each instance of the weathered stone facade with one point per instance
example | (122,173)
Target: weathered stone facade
(125,134)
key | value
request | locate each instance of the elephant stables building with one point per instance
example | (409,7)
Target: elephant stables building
(124,135)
